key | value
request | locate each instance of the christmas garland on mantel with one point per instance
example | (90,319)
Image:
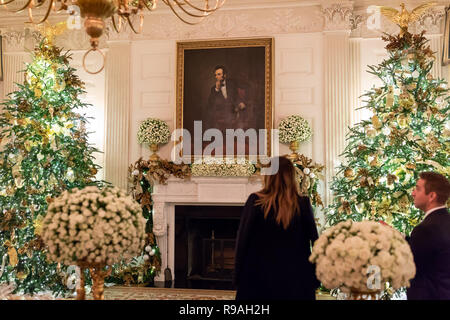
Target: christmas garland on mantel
(144,174)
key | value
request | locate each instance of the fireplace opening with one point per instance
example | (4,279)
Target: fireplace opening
(205,239)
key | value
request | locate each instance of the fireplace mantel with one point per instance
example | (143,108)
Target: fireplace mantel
(195,191)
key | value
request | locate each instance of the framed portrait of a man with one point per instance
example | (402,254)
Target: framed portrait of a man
(224,92)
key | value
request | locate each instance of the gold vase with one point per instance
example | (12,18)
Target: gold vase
(98,281)
(294,146)
(367,295)
(154,148)
(81,293)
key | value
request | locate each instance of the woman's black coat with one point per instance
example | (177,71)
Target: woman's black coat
(272,263)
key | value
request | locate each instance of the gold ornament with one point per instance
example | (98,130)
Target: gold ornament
(377,124)
(13,258)
(21,275)
(402,120)
(37,223)
(374,162)
(348,173)
(38,92)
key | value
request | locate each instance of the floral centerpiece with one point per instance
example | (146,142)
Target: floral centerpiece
(93,228)
(293,130)
(153,132)
(218,167)
(360,257)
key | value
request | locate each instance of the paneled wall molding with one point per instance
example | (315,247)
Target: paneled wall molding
(117,103)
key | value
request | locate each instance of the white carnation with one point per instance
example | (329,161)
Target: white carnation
(89,235)
(344,252)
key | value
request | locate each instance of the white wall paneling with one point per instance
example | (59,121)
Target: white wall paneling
(298,86)
(152,90)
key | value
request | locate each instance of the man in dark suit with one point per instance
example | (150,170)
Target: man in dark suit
(227,106)
(430,240)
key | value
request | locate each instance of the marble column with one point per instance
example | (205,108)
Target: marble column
(117,112)
(337,76)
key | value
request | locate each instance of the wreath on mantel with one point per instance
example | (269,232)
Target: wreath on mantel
(144,174)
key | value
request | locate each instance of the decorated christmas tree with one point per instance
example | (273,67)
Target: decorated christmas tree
(408,133)
(43,151)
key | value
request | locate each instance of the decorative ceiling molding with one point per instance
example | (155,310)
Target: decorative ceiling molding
(338,16)
(242,19)
(431,21)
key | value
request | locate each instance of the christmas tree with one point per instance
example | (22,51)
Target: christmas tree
(408,133)
(43,151)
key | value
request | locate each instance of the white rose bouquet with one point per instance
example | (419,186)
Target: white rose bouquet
(350,254)
(153,131)
(94,226)
(294,128)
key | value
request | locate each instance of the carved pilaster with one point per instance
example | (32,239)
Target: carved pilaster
(159,219)
(117,112)
(430,21)
(19,39)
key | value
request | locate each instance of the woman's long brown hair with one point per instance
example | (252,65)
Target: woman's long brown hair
(280,193)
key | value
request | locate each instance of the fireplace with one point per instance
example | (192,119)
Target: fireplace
(205,239)
(219,200)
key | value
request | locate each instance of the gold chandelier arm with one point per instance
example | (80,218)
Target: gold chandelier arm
(39,4)
(118,29)
(30,5)
(179,16)
(153,7)
(181,6)
(141,24)
(218,5)
(50,6)
(5,3)
(84,61)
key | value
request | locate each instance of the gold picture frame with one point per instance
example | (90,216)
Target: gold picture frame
(446,49)
(247,62)
(1,58)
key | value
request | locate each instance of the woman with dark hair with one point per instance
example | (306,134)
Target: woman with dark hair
(274,241)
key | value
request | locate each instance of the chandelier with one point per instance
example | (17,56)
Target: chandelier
(95,12)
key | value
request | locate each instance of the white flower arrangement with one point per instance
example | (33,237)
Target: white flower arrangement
(153,131)
(218,167)
(94,226)
(349,253)
(294,128)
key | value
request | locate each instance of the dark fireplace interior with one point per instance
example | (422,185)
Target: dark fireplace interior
(205,238)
